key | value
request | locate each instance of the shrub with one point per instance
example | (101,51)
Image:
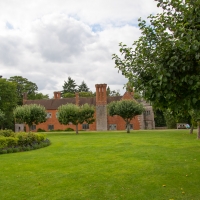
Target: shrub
(40,137)
(69,129)
(7,133)
(11,141)
(40,130)
(9,150)
(3,142)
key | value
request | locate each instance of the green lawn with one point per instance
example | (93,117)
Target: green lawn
(142,165)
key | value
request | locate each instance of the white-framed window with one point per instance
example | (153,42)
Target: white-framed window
(85,126)
(112,126)
(48,115)
(50,127)
(33,127)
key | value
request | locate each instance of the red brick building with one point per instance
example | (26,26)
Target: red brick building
(102,120)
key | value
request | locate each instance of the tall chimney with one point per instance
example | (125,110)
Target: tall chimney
(101,107)
(57,95)
(77,98)
(101,95)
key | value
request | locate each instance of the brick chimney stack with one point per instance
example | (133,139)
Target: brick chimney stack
(77,98)
(57,95)
(101,107)
(101,95)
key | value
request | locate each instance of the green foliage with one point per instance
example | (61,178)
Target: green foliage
(170,119)
(3,142)
(68,95)
(8,101)
(164,62)
(69,129)
(30,114)
(40,130)
(83,87)
(36,95)
(7,133)
(112,93)
(23,86)
(25,139)
(69,86)
(159,118)
(86,94)
(74,114)
(12,141)
(127,109)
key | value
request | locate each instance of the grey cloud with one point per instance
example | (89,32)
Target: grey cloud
(63,41)
(9,50)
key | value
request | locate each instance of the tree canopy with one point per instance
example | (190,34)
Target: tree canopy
(30,114)
(23,85)
(83,87)
(127,109)
(8,101)
(70,86)
(74,114)
(164,63)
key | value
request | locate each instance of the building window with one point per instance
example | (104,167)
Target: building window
(112,126)
(33,127)
(48,115)
(147,112)
(131,126)
(85,126)
(50,127)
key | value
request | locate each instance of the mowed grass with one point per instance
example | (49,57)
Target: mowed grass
(142,165)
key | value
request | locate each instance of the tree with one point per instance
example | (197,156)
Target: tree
(2,118)
(112,93)
(23,86)
(83,87)
(37,95)
(164,62)
(69,86)
(86,94)
(127,109)
(71,113)
(8,101)
(30,114)
(195,114)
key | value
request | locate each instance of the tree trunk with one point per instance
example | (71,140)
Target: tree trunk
(198,130)
(191,129)
(76,128)
(128,127)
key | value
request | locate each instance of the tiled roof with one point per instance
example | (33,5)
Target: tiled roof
(53,104)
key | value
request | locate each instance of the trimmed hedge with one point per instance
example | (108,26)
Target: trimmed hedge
(14,142)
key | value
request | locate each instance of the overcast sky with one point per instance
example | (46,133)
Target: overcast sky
(46,41)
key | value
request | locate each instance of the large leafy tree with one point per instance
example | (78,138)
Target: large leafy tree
(8,101)
(74,114)
(70,86)
(127,109)
(164,63)
(23,85)
(30,114)
(83,87)
(37,95)
(2,118)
